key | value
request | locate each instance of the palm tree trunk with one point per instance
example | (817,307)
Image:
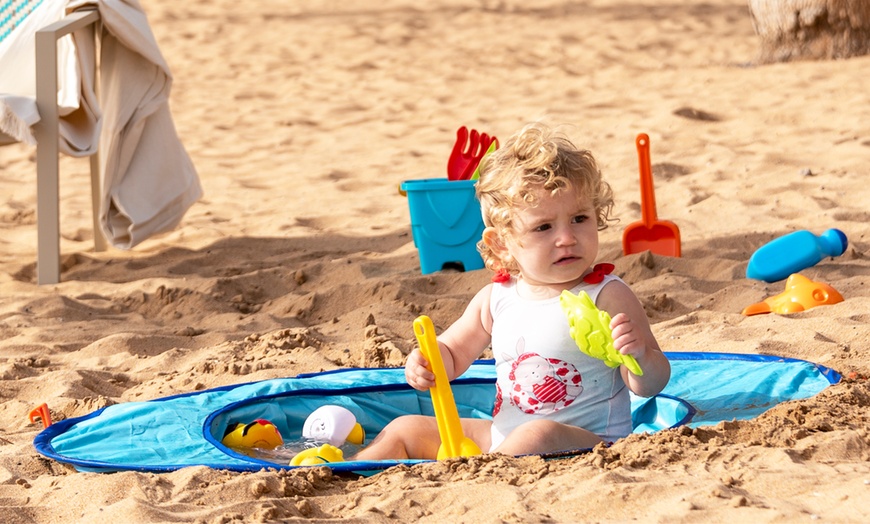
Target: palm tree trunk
(811,29)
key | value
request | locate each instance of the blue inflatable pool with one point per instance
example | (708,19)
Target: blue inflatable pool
(185,430)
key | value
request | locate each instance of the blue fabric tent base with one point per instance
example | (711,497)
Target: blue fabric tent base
(185,430)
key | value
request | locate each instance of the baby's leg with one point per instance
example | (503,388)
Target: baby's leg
(416,437)
(409,436)
(544,436)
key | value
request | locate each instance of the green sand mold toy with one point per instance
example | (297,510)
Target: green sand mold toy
(590,329)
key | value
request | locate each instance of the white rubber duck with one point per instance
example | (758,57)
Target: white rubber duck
(333,424)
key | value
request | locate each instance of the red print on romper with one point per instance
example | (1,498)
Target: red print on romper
(540,385)
(498,400)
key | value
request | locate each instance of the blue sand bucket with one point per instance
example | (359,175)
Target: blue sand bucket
(445,222)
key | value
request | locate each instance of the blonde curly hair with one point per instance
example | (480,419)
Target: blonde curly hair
(537,157)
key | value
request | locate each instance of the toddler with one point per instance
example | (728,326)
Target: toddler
(543,202)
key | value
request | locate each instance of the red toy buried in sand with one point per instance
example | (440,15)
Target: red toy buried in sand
(800,294)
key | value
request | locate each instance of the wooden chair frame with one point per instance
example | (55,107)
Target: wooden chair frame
(47,135)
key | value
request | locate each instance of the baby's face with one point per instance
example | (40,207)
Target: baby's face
(555,241)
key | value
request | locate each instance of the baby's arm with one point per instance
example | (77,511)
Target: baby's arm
(460,344)
(633,336)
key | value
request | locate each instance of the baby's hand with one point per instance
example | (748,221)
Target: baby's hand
(417,371)
(626,338)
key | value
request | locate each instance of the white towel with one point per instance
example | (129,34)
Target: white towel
(18,70)
(148,180)
(148,177)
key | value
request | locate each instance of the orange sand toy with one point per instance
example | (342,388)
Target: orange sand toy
(800,294)
(41,412)
(454,443)
(662,237)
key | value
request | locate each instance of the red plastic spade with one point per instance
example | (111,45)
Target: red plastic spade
(649,234)
(467,152)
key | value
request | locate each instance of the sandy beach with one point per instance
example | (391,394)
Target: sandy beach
(302,118)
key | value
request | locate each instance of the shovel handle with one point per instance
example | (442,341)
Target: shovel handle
(647,191)
(454,443)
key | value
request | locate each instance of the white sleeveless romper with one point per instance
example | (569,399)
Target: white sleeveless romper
(542,374)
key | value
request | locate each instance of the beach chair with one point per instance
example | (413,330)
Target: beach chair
(142,181)
(45,131)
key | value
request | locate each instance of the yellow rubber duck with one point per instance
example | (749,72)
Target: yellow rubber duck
(325,454)
(260,434)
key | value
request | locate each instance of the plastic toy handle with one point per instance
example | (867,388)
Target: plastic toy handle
(647,192)
(492,147)
(454,443)
(41,412)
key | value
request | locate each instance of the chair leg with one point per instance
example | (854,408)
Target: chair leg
(47,183)
(100,243)
(47,134)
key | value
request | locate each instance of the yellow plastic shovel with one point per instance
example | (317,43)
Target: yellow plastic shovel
(454,443)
